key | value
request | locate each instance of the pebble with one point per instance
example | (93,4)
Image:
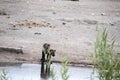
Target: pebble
(63,23)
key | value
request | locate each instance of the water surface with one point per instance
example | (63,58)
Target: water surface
(32,72)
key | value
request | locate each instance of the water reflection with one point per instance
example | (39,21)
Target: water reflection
(44,74)
(33,72)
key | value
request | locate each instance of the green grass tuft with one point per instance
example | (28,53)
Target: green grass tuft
(4,75)
(105,60)
(64,70)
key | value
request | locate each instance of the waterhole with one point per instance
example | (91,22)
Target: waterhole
(32,72)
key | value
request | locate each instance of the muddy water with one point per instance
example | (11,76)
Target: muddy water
(32,72)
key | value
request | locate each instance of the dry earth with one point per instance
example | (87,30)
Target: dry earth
(69,26)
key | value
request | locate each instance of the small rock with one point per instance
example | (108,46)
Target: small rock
(112,24)
(48,23)
(50,26)
(63,23)
(54,12)
(29,27)
(37,33)
(103,14)
(14,25)
(14,29)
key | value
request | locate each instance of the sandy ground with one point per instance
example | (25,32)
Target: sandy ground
(69,26)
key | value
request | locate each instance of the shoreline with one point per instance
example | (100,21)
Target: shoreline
(75,64)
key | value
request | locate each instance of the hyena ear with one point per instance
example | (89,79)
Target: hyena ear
(46,45)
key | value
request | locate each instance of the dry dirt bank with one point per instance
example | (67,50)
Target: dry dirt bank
(69,26)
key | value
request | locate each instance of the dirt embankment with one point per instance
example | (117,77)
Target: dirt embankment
(69,26)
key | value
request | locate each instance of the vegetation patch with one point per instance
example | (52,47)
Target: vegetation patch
(104,59)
